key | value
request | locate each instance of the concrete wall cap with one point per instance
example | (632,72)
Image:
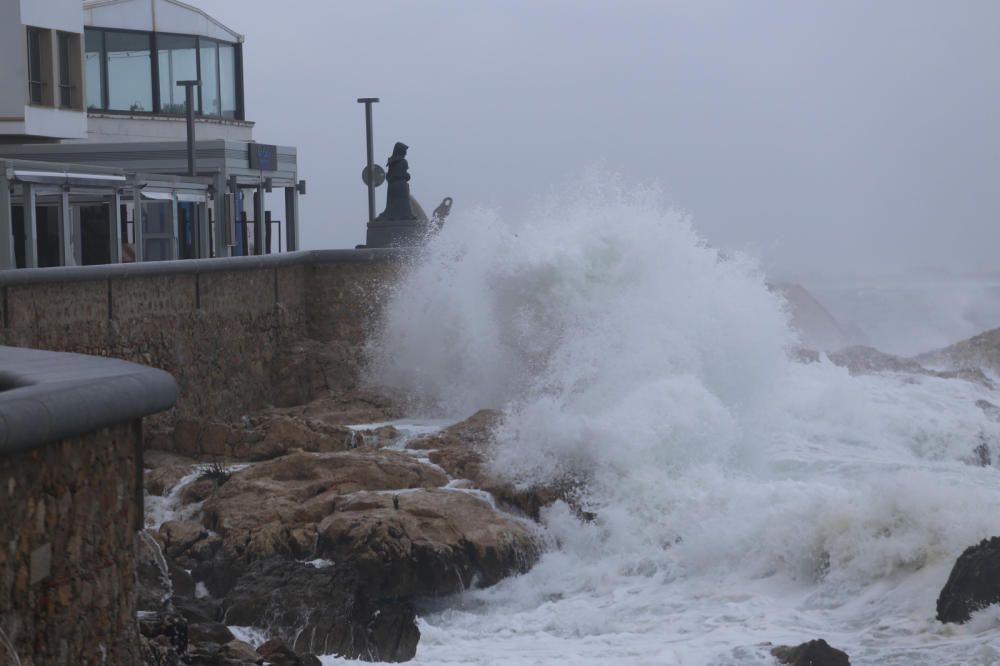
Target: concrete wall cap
(46,396)
(68,274)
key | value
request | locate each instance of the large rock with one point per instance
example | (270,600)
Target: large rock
(179,535)
(425,542)
(303,488)
(327,551)
(814,653)
(322,610)
(974,582)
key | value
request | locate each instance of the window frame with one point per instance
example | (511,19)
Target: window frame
(102,66)
(64,69)
(240,111)
(33,61)
(105,84)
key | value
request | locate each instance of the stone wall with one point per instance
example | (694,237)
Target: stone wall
(67,558)
(221,326)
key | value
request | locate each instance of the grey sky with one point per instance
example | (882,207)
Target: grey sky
(837,136)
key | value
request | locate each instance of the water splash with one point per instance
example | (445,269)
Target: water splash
(740,497)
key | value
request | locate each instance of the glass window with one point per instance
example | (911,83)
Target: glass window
(65,76)
(177,56)
(36,84)
(95,73)
(210,104)
(130,71)
(227,79)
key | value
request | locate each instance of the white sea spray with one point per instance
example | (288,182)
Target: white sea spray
(740,497)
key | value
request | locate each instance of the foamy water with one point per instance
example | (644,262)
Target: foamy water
(741,499)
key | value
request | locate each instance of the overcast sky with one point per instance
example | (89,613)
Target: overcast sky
(838,136)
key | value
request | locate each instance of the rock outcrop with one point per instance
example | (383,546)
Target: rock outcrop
(327,551)
(320,425)
(974,583)
(868,360)
(814,653)
(463,449)
(981,351)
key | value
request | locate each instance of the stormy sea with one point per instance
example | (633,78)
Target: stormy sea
(734,489)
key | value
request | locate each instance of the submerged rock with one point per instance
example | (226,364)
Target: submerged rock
(974,583)
(814,653)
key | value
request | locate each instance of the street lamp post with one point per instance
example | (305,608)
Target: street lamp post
(189,102)
(368,101)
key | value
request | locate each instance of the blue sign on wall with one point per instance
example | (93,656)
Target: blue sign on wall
(263,156)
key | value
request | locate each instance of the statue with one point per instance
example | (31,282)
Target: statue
(397,199)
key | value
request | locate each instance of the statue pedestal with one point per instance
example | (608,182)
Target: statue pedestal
(395,233)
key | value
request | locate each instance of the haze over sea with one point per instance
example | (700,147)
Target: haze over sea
(741,499)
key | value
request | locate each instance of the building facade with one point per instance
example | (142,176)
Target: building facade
(94,164)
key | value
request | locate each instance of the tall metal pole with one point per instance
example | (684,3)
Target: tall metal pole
(189,102)
(368,101)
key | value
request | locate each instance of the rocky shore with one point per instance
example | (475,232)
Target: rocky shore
(295,527)
(295,532)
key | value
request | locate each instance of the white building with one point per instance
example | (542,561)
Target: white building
(95,83)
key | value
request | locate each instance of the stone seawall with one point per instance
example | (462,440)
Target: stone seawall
(71,503)
(67,561)
(222,327)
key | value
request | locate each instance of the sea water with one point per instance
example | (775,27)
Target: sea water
(741,499)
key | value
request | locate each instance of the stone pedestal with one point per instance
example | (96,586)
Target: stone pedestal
(395,233)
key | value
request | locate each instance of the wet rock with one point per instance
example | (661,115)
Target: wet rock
(277,653)
(153,578)
(425,542)
(321,609)
(157,653)
(462,449)
(240,652)
(163,470)
(974,582)
(303,488)
(209,632)
(814,653)
(198,490)
(167,631)
(199,611)
(179,535)
(181,582)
